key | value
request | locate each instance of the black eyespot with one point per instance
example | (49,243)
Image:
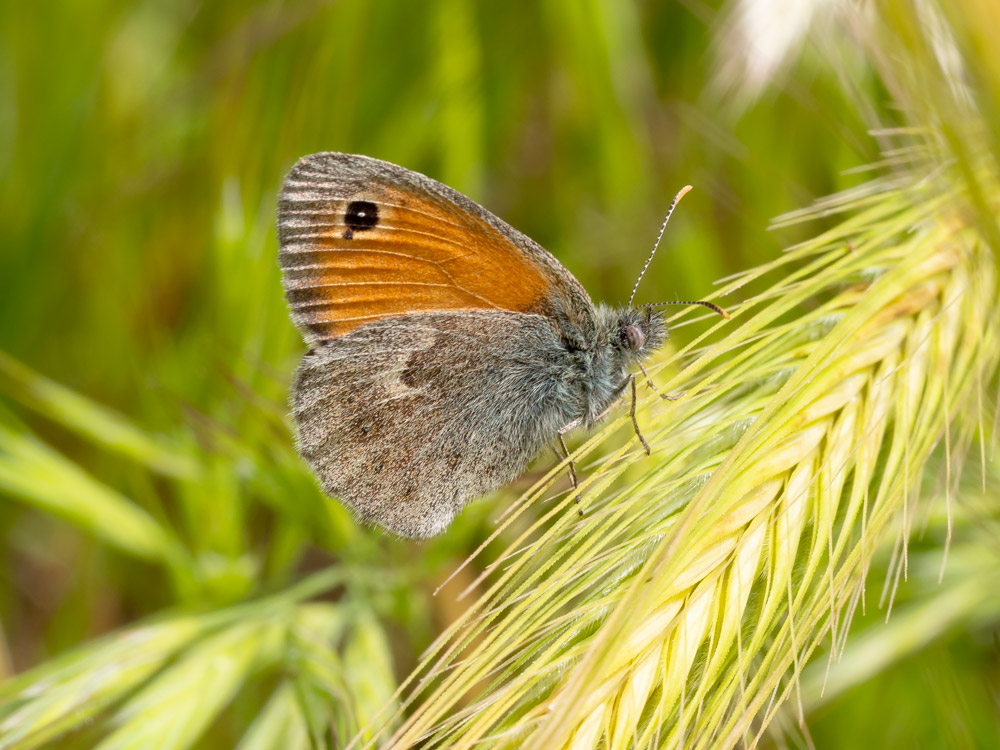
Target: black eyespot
(361,215)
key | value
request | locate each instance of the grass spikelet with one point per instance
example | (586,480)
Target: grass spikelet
(680,611)
(164,683)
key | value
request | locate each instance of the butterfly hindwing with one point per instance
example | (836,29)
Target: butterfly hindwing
(407,419)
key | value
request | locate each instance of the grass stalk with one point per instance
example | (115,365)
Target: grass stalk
(681,610)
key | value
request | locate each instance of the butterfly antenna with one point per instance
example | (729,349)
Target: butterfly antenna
(673,203)
(703,303)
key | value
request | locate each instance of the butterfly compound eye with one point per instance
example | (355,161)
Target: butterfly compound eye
(634,337)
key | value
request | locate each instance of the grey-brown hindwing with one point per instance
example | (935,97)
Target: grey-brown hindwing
(408,418)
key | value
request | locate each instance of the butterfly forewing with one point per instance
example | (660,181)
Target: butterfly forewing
(363,239)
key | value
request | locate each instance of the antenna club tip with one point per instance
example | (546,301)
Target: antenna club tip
(717,308)
(680,194)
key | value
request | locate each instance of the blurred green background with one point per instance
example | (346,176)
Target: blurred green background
(146,461)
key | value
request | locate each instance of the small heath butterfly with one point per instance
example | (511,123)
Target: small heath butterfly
(446,348)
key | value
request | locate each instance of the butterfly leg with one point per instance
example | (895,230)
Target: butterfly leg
(564,455)
(635,422)
(649,382)
(571,426)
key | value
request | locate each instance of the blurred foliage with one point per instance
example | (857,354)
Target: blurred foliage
(147,470)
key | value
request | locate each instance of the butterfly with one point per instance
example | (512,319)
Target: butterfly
(446,348)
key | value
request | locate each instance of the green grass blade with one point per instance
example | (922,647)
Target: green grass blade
(33,471)
(174,710)
(72,690)
(280,724)
(90,420)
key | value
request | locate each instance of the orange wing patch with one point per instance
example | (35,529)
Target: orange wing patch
(355,249)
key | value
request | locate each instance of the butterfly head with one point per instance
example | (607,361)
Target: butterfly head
(641,330)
